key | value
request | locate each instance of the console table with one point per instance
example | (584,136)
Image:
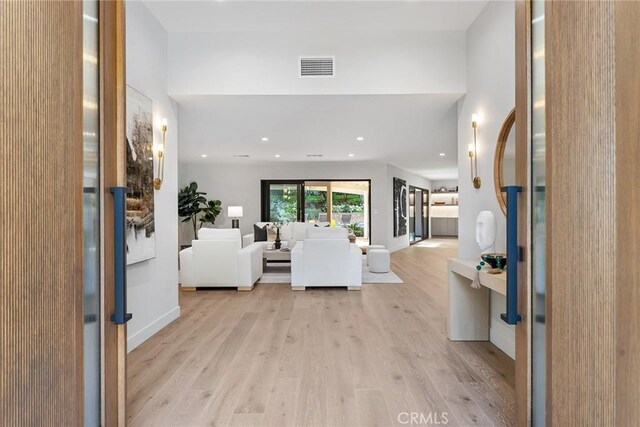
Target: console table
(469,314)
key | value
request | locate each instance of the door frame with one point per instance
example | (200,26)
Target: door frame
(523,137)
(425,205)
(113,171)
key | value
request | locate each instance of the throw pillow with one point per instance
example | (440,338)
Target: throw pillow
(259,233)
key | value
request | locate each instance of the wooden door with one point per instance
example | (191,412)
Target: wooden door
(113,102)
(42,301)
(592,131)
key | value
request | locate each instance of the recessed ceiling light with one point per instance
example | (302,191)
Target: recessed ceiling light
(360,138)
(351,155)
(265,139)
(442,154)
(278,155)
(203,156)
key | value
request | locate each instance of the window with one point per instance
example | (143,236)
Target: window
(325,202)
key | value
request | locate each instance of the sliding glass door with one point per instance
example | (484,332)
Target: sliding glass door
(340,203)
(282,201)
(418,214)
(317,201)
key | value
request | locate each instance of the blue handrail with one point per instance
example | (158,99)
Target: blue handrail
(120,317)
(512,317)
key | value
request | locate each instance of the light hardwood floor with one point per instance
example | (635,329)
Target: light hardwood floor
(322,357)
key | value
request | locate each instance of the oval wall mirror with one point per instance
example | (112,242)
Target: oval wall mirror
(504,165)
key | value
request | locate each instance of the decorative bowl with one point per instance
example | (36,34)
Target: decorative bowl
(492,260)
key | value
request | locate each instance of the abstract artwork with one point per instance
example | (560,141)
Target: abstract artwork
(399,207)
(141,238)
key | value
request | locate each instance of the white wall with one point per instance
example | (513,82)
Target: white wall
(153,284)
(240,185)
(367,62)
(490,93)
(447,183)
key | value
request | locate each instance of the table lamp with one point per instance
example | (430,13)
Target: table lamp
(235,213)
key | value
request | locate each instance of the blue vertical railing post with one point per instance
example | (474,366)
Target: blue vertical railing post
(512,317)
(120,317)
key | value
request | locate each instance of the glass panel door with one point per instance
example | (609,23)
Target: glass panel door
(285,202)
(91,216)
(316,201)
(412,214)
(425,214)
(350,207)
(418,214)
(340,203)
(538,220)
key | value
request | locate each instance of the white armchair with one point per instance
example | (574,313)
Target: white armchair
(326,258)
(217,259)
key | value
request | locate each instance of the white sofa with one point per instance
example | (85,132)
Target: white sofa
(326,258)
(217,259)
(290,233)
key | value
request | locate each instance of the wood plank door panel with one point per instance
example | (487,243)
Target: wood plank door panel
(592,150)
(41,224)
(112,60)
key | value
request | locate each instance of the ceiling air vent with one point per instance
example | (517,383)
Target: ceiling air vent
(314,155)
(244,156)
(317,66)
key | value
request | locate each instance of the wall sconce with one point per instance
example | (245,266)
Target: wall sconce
(157,181)
(473,152)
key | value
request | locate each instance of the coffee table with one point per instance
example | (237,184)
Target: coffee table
(275,255)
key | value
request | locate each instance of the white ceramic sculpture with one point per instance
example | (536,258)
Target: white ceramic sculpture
(486,231)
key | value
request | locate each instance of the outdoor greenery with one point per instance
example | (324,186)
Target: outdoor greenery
(192,203)
(356,229)
(284,204)
(348,203)
(283,209)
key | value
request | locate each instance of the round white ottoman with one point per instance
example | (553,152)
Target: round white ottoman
(379,261)
(372,247)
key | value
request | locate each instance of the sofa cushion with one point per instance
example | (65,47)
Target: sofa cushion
(327,233)
(300,231)
(260,233)
(219,234)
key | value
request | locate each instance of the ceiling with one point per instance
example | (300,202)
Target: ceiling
(409,131)
(318,15)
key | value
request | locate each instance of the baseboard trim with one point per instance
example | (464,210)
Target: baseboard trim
(151,329)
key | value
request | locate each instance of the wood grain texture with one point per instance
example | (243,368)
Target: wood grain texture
(581,217)
(113,87)
(627,59)
(322,357)
(523,135)
(41,292)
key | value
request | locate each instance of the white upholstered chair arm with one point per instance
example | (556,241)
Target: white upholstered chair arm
(297,265)
(186,267)
(249,265)
(248,239)
(355,266)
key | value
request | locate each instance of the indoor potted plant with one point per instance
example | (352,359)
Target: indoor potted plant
(192,203)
